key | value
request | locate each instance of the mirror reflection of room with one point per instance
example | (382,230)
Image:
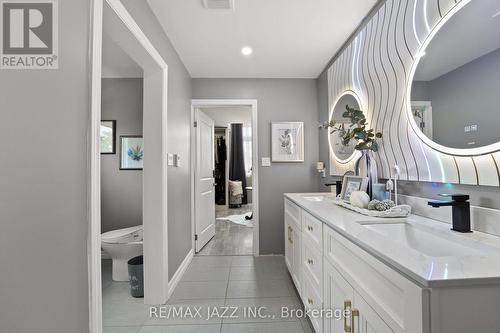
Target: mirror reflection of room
(343,150)
(454,95)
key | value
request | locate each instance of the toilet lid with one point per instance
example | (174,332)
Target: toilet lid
(125,235)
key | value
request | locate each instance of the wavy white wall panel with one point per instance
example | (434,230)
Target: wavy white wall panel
(376,65)
(486,170)
(467,170)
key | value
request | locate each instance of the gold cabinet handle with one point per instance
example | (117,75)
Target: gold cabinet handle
(310,301)
(354,314)
(347,308)
(291,233)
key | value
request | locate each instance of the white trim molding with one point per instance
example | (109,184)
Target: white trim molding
(94,196)
(179,273)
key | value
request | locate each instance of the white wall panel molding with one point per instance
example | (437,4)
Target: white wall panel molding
(378,65)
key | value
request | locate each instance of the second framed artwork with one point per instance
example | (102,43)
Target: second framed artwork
(351,184)
(287,141)
(131,152)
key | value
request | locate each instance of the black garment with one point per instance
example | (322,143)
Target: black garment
(237,160)
(220,171)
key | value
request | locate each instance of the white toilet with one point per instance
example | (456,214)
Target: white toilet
(122,245)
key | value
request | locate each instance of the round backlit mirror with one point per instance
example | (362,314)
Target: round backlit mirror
(453,99)
(343,151)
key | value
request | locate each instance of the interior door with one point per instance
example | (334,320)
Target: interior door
(204,184)
(338,294)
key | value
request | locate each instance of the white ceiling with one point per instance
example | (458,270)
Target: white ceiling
(115,62)
(290,38)
(468,35)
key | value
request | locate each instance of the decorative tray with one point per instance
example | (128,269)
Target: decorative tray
(396,211)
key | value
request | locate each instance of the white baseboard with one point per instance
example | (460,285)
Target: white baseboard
(179,273)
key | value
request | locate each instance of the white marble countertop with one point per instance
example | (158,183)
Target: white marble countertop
(482,267)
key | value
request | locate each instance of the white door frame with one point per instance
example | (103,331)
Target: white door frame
(125,31)
(211,103)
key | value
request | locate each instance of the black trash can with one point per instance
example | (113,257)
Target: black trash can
(136,276)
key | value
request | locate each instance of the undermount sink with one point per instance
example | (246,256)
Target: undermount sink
(427,241)
(316,198)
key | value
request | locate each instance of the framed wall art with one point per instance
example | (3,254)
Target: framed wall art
(287,141)
(131,152)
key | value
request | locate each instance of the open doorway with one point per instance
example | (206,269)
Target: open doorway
(113,26)
(225,177)
(122,157)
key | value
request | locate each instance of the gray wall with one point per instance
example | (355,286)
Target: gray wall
(278,100)
(43,192)
(121,190)
(465,96)
(179,118)
(420,91)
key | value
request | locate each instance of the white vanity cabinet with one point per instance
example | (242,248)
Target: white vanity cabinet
(384,299)
(331,272)
(336,264)
(304,258)
(293,242)
(312,266)
(339,294)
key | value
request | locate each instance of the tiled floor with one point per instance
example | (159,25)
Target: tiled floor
(212,284)
(230,238)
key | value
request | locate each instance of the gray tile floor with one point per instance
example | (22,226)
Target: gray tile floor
(230,238)
(212,284)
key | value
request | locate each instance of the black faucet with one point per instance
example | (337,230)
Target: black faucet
(338,186)
(460,209)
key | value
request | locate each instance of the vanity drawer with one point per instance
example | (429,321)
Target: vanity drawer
(293,211)
(312,262)
(396,299)
(313,227)
(312,300)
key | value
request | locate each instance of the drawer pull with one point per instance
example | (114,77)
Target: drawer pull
(354,314)
(310,261)
(309,228)
(310,301)
(347,309)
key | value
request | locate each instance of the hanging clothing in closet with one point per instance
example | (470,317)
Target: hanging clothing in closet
(237,159)
(220,170)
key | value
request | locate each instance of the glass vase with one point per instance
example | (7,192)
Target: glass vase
(366,166)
